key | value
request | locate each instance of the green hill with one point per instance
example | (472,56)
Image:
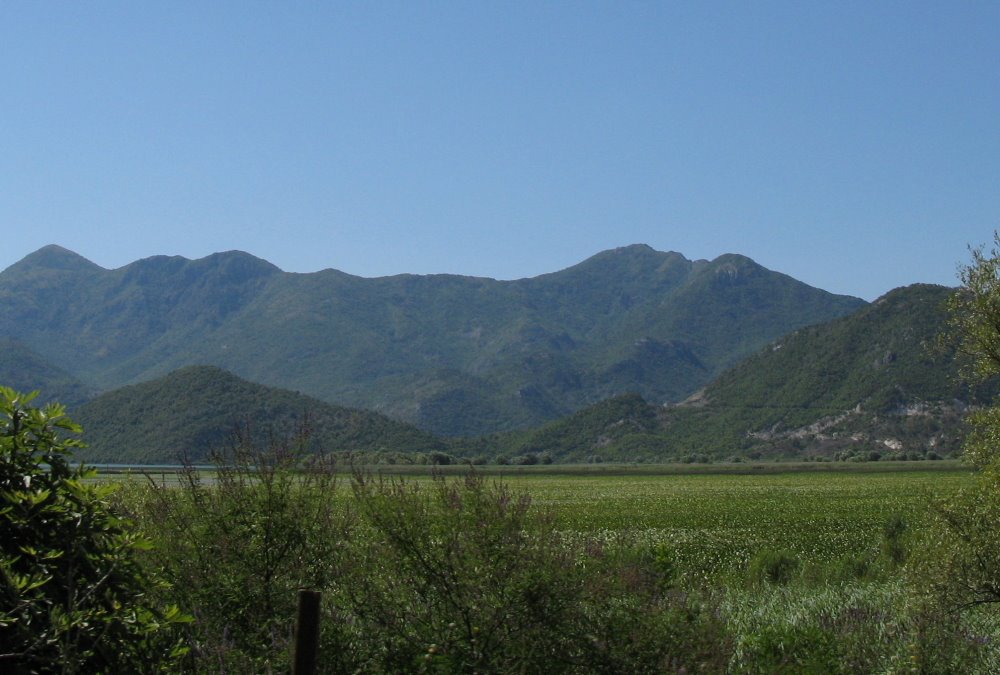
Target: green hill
(871,382)
(617,429)
(454,355)
(195,410)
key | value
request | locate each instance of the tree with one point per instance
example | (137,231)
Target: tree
(73,593)
(974,330)
(960,565)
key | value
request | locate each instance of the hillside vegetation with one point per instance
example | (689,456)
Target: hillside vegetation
(872,382)
(197,410)
(454,355)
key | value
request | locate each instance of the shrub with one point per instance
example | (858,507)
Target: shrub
(958,561)
(239,542)
(894,540)
(453,576)
(775,567)
(784,648)
(73,594)
(464,576)
(853,568)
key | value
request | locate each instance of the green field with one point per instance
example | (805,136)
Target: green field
(834,614)
(717,522)
(716,518)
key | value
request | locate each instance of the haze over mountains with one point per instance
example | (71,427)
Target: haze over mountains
(453,355)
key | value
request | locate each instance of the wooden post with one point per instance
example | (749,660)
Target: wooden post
(306,633)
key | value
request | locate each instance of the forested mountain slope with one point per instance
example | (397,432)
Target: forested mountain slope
(872,382)
(197,410)
(455,355)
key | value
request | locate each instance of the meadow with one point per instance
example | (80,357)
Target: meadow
(715,518)
(717,522)
(808,567)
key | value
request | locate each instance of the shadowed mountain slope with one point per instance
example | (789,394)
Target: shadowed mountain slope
(25,371)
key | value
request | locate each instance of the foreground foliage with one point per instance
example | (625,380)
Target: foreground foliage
(239,545)
(467,567)
(74,594)
(961,562)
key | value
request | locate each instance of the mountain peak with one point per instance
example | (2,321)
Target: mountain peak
(240,260)
(635,251)
(55,257)
(229,266)
(633,248)
(628,258)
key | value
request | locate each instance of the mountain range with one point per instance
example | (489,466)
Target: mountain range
(452,355)
(632,355)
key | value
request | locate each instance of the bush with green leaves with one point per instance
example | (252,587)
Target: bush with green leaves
(775,567)
(955,565)
(238,541)
(457,576)
(464,576)
(74,595)
(960,562)
(894,540)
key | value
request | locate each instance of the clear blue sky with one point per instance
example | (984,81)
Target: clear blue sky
(852,145)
